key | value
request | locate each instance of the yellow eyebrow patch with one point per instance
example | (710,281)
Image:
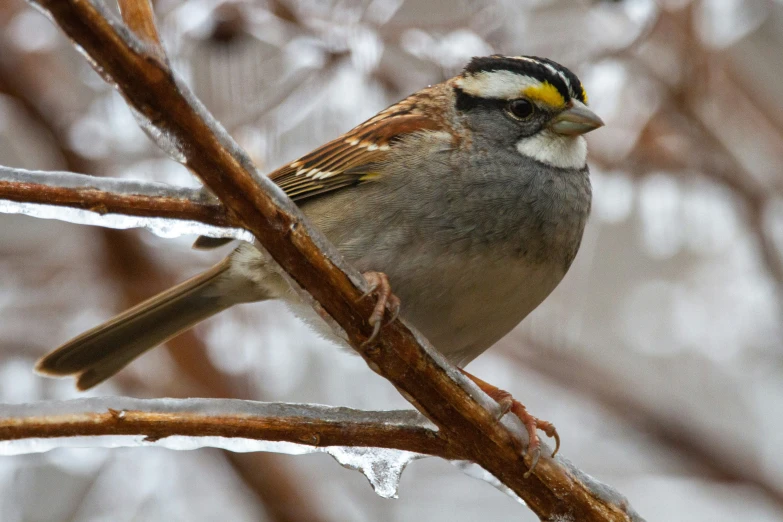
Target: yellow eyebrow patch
(584,93)
(546,93)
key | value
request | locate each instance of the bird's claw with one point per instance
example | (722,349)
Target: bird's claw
(380,286)
(508,404)
(535,455)
(532,425)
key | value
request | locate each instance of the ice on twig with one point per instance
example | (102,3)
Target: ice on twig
(167,142)
(383,467)
(598,489)
(164,227)
(472,469)
(106,184)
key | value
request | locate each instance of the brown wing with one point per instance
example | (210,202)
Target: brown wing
(348,160)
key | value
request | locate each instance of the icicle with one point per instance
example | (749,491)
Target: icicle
(383,467)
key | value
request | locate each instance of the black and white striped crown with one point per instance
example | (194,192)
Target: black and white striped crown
(510,77)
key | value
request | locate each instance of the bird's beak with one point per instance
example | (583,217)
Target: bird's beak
(575,121)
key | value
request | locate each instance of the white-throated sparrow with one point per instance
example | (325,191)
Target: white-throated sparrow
(470,195)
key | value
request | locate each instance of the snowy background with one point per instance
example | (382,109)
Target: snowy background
(659,358)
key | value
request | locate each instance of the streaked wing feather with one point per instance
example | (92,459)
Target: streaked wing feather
(344,162)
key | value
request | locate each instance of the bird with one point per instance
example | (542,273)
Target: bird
(463,205)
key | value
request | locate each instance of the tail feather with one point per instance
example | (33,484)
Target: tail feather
(97,354)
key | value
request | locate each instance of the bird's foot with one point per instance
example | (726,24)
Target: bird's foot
(380,287)
(509,404)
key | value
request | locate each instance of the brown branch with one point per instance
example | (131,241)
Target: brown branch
(555,489)
(309,425)
(105,202)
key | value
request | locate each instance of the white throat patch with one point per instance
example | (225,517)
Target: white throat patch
(565,152)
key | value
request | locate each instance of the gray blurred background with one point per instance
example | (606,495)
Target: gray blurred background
(659,358)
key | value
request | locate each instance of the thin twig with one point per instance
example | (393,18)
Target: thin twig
(155,419)
(131,198)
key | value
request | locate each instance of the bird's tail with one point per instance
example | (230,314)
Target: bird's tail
(99,353)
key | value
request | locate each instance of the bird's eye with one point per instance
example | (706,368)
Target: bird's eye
(521,108)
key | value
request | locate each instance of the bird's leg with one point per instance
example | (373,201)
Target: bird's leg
(380,287)
(508,403)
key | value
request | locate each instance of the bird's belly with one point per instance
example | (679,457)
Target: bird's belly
(464,304)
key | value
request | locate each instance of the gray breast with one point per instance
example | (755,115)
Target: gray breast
(501,202)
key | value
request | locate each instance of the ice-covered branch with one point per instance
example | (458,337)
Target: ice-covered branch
(465,417)
(154,419)
(379,444)
(115,203)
